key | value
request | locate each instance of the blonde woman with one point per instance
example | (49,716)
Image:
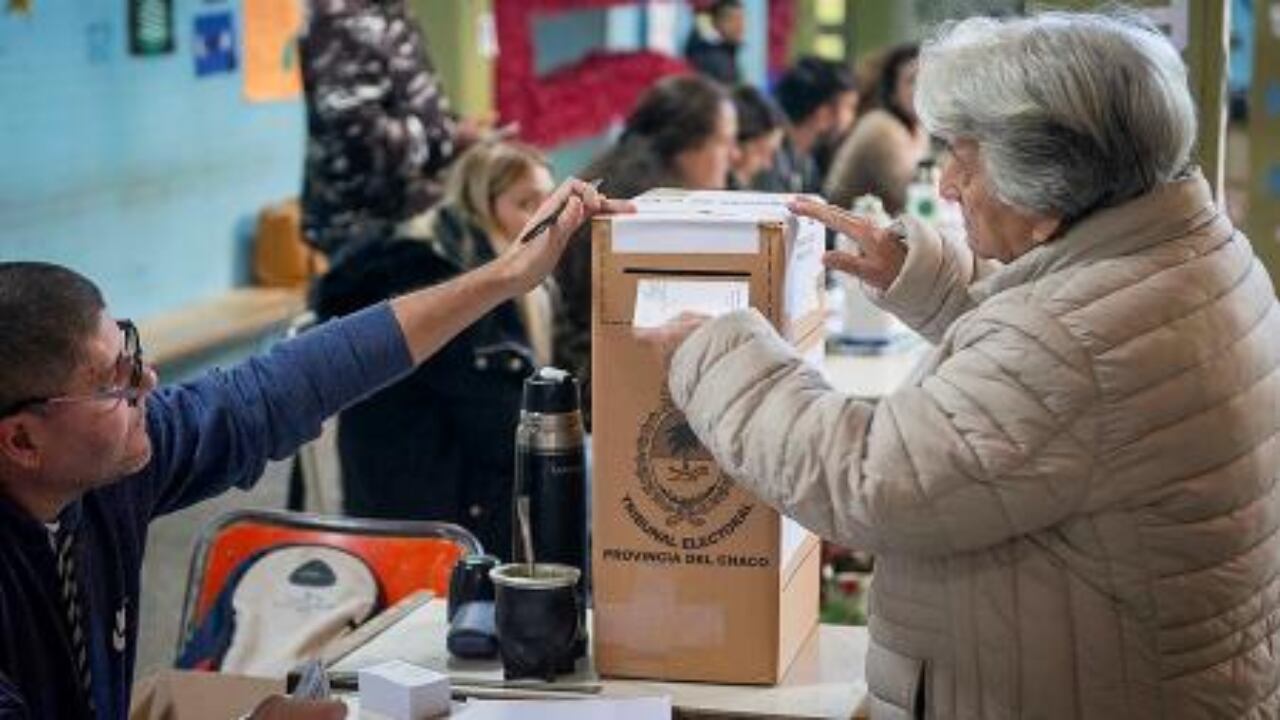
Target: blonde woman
(438,445)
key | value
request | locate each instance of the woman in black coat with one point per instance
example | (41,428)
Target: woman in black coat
(439,445)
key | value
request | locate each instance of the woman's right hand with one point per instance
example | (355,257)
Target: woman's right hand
(883,253)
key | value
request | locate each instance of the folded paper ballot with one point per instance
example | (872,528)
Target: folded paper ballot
(658,300)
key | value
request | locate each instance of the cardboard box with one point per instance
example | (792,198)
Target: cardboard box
(694,578)
(191,695)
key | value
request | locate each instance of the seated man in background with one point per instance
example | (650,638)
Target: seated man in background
(819,99)
(439,444)
(91,451)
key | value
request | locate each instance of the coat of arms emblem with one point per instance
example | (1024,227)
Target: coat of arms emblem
(676,472)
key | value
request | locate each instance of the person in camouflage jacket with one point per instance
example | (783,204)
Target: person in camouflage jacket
(379,127)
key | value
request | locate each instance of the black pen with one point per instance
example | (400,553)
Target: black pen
(551,219)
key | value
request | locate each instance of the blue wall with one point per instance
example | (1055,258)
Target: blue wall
(147,178)
(1240,59)
(131,169)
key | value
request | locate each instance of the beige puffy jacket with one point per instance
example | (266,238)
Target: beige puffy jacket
(1075,504)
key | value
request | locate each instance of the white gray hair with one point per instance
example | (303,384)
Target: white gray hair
(1072,112)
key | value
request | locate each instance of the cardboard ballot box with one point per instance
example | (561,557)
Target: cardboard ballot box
(694,578)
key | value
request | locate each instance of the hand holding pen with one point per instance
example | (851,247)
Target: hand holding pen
(529,260)
(551,219)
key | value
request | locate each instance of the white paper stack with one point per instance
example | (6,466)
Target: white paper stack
(398,690)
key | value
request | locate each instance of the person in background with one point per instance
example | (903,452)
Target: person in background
(760,128)
(681,134)
(880,156)
(825,148)
(438,444)
(819,99)
(717,34)
(91,450)
(1075,504)
(379,131)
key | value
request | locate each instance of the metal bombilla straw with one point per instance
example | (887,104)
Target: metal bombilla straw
(526,534)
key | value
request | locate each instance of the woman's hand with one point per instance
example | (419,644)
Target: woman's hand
(664,341)
(883,253)
(525,265)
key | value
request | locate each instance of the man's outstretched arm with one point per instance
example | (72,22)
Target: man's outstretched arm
(219,431)
(431,317)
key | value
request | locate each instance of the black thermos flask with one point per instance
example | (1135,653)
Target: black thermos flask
(551,470)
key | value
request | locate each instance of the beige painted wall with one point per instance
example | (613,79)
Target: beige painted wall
(453,30)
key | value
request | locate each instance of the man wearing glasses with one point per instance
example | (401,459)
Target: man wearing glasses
(91,450)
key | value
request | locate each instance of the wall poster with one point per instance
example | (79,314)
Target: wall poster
(214,44)
(151,27)
(271,70)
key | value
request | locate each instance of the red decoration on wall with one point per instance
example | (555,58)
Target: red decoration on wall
(782,20)
(575,101)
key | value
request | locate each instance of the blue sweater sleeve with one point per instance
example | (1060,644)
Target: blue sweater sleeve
(219,431)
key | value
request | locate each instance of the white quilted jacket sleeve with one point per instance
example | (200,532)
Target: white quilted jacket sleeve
(996,442)
(932,289)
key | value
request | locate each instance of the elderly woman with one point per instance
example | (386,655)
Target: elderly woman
(1075,505)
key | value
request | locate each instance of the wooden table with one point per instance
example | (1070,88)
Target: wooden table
(825,681)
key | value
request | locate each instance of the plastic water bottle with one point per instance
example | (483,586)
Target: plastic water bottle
(862,323)
(923,201)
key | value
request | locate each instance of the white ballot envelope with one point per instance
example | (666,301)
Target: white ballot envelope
(659,300)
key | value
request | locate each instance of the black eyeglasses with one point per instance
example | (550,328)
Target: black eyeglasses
(130,357)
